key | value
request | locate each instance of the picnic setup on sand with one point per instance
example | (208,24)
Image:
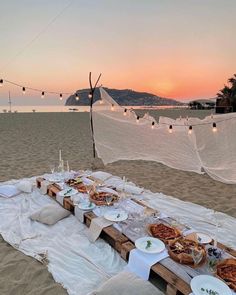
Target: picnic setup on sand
(100,234)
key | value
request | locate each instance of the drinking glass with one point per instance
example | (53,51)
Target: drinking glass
(109,199)
(52,168)
(196,255)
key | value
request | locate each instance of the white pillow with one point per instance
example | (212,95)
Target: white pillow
(101,175)
(24,186)
(50,214)
(8,191)
(126,283)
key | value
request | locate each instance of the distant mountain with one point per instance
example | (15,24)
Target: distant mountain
(123,97)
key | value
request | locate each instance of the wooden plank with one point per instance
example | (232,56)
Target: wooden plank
(53,190)
(171,290)
(125,250)
(68,205)
(171,278)
(39,180)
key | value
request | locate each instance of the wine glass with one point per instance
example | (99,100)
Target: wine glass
(196,255)
(109,199)
(52,168)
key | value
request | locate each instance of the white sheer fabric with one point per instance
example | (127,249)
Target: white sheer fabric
(120,137)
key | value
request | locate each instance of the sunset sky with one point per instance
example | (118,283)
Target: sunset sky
(180,49)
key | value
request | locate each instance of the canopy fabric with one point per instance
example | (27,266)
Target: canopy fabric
(118,136)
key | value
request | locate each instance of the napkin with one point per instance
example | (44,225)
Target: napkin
(79,213)
(140,263)
(60,199)
(96,227)
(44,187)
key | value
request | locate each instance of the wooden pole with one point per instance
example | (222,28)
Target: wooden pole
(91,96)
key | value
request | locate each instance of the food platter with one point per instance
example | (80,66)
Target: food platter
(163,232)
(226,270)
(185,251)
(100,199)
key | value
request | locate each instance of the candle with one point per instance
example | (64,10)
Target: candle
(68,168)
(59,155)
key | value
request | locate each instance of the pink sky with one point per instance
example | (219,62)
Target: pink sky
(181,49)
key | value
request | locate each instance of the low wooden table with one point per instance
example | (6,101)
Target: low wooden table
(123,245)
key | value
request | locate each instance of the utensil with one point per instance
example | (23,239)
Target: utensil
(203,283)
(149,245)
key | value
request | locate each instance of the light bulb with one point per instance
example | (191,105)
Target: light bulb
(1,82)
(101,101)
(60,96)
(170,129)
(112,107)
(125,112)
(77,97)
(42,96)
(153,124)
(214,128)
(23,90)
(137,120)
(190,129)
(90,95)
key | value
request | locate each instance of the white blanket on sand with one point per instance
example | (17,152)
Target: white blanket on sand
(73,261)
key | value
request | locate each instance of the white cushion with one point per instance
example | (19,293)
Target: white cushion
(101,175)
(126,283)
(24,186)
(8,191)
(50,214)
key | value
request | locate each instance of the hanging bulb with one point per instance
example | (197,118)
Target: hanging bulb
(112,107)
(190,129)
(214,128)
(101,101)
(153,124)
(170,129)
(77,97)
(90,95)
(137,119)
(42,96)
(187,118)
(23,90)
(180,118)
(60,96)
(1,82)
(125,112)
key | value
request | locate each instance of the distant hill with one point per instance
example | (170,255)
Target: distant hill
(123,97)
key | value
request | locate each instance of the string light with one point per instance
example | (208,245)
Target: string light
(190,129)
(125,112)
(214,128)
(112,107)
(90,95)
(1,82)
(42,96)
(60,96)
(77,97)
(101,101)
(170,129)
(23,90)
(153,123)
(137,119)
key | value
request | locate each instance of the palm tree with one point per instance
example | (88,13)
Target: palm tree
(227,95)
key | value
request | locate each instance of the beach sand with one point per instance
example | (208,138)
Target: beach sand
(30,143)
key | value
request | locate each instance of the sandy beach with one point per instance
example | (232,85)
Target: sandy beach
(30,144)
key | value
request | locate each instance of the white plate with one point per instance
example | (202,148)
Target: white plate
(157,245)
(86,206)
(210,283)
(116,215)
(203,238)
(68,192)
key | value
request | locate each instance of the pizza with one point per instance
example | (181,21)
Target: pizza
(185,251)
(77,183)
(100,198)
(226,270)
(163,232)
